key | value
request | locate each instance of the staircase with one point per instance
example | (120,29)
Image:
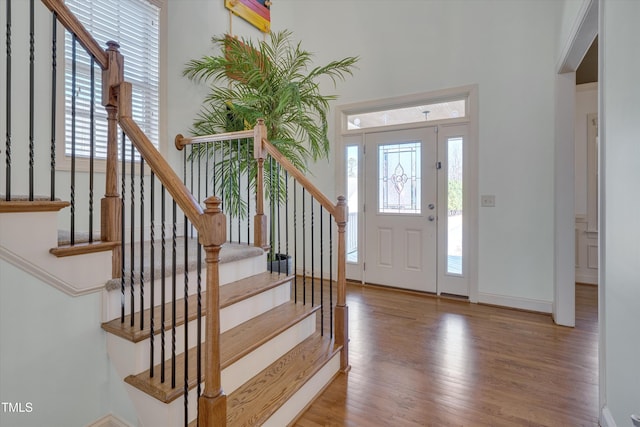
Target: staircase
(266,338)
(198,328)
(274,360)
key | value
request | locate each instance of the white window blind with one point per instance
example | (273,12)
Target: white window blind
(134,25)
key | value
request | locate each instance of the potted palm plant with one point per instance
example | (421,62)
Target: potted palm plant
(275,80)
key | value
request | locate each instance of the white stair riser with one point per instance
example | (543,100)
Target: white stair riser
(251,364)
(76,275)
(112,299)
(229,272)
(152,412)
(249,308)
(301,399)
(132,358)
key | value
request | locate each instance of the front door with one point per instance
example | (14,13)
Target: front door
(400,208)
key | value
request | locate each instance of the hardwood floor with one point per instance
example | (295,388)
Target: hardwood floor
(422,361)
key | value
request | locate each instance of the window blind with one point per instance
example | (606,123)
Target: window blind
(134,25)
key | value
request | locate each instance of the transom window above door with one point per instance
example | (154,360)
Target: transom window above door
(424,112)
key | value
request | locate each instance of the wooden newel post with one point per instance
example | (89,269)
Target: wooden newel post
(212,404)
(342,311)
(110,204)
(259,220)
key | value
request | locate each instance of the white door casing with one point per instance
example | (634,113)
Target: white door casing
(462,279)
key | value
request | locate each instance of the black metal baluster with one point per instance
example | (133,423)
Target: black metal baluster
(286,220)
(313,294)
(54,73)
(272,216)
(321,273)
(7,152)
(215,170)
(278,217)
(122,228)
(206,172)
(187,228)
(199,327)
(295,239)
(163,266)
(184,162)
(331,278)
(32,60)
(92,145)
(199,174)
(239,183)
(152,273)
(228,188)
(304,248)
(141,243)
(73,138)
(132,235)
(173,297)
(199,282)
(248,156)
(186,321)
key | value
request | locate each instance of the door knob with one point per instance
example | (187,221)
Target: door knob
(432,218)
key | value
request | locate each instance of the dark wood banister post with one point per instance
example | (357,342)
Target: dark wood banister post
(342,311)
(110,204)
(259,220)
(212,404)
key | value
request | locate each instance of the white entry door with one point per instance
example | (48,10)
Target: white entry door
(400,208)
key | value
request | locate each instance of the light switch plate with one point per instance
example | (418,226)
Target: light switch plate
(488,201)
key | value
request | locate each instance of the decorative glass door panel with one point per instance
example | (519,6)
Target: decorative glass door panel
(399,174)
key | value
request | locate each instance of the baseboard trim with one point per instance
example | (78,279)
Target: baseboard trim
(606,419)
(589,279)
(109,420)
(515,302)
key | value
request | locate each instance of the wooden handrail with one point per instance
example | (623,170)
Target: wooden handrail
(158,164)
(69,20)
(300,177)
(261,144)
(183,141)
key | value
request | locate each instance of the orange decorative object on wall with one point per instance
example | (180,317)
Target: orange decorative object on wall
(256,12)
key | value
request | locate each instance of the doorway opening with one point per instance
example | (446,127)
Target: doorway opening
(410,176)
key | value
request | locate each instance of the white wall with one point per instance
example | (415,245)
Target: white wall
(191,24)
(54,356)
(620,173)
(507,49)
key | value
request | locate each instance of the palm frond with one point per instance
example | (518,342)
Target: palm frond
(273,79)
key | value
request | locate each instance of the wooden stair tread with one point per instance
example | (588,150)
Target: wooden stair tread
(83,248)
(230,293)
(242,289)
(234,344)
(39,204)
(259,398)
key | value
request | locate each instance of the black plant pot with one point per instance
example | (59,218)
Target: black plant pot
(281,263)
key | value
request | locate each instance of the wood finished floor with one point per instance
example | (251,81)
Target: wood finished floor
(421,361)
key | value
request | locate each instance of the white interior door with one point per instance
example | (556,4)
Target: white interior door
(400,208)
